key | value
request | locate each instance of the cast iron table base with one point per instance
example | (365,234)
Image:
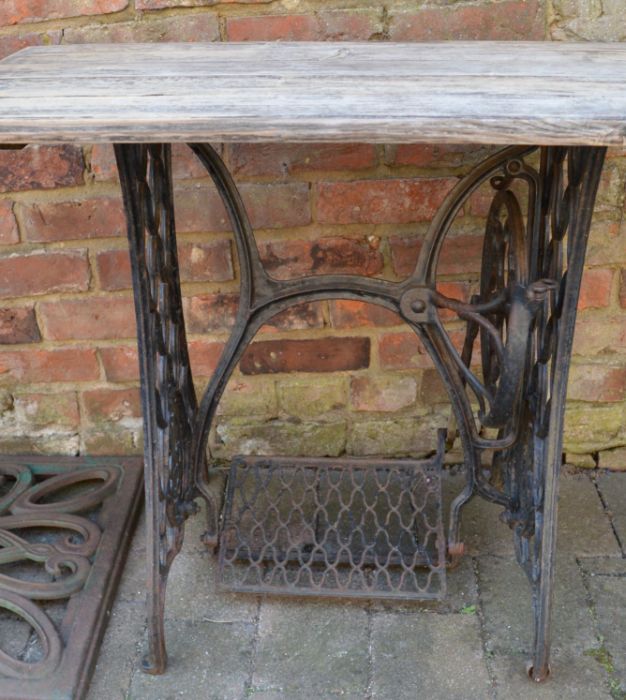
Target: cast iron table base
(532,263)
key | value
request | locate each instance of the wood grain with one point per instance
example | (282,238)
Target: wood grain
(446,92)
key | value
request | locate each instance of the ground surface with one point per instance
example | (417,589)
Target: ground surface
(473,646)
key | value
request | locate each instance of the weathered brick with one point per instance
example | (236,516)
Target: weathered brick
(119,440)
(249,398)
(39,411)
(347,313)
(185,165)
(404,350)
(42,273)
(432,389)
(206,313)
(111,405)
(508,19)
(283,160)
(399,201)
(595,291)
(198,262)
(426,155)
(597,383)
(162,4)
(385,393)
(18,11)
(459,255)
(199,208)
(8,225)
(89,318)
(120,363)
(292,258)
(336,26)
(576,20)
(600,336)
(204,356)
(18,325)
(40,167)
(11,43)
(622,289)
(99,217)
(303,398)
(319,355)
(62,365)
(194,27)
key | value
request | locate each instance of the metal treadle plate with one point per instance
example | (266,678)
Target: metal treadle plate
(65,525)
(351,527)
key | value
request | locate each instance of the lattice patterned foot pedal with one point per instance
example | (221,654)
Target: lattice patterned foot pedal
(334,527)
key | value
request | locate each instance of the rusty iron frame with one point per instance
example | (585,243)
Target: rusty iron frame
(83,568)
(524,315)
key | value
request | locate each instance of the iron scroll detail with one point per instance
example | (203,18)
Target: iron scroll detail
(520,322)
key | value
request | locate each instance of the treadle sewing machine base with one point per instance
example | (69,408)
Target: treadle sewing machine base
(347,527)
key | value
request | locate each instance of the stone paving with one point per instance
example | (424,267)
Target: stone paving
(474,645)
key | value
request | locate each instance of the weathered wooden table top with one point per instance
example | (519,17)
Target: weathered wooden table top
(452,92)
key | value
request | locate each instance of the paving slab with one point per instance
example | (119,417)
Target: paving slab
(612,486)
(584,527)
(607,584)
(508,619)
(572,676)
(119,654)
(207,660)
(311,650)
(427,655)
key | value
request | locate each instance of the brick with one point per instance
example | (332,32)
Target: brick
(432,389)
(99,217)
(622,289)
(199,208)
(347,313)
(510,19)
(18,11)
(320,355)
(600,336)
(582,21)
(11,43)
(336,26)
(62,365)
(120,363)
(459,255)
(43,273)
(162,4)
(426,155)
(39,411)
(40,167)
(111,405)
(249,398)
(198,262)
(304,398)
(384,393)
(293,258)
(90,318)
(297,317)
(185,165)
(194,27)
(399,201)
(283,160)
(8,225)
(404,350)
(204,356)
(597,383)
(595,291)
(18,325)
(207,313)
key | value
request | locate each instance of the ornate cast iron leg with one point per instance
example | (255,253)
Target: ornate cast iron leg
(524,316)
(167,393)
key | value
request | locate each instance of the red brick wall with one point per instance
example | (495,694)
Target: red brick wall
(323,378)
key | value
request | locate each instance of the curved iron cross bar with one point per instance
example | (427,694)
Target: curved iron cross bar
(524,315)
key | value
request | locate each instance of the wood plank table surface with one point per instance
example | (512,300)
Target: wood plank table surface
(537,93)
